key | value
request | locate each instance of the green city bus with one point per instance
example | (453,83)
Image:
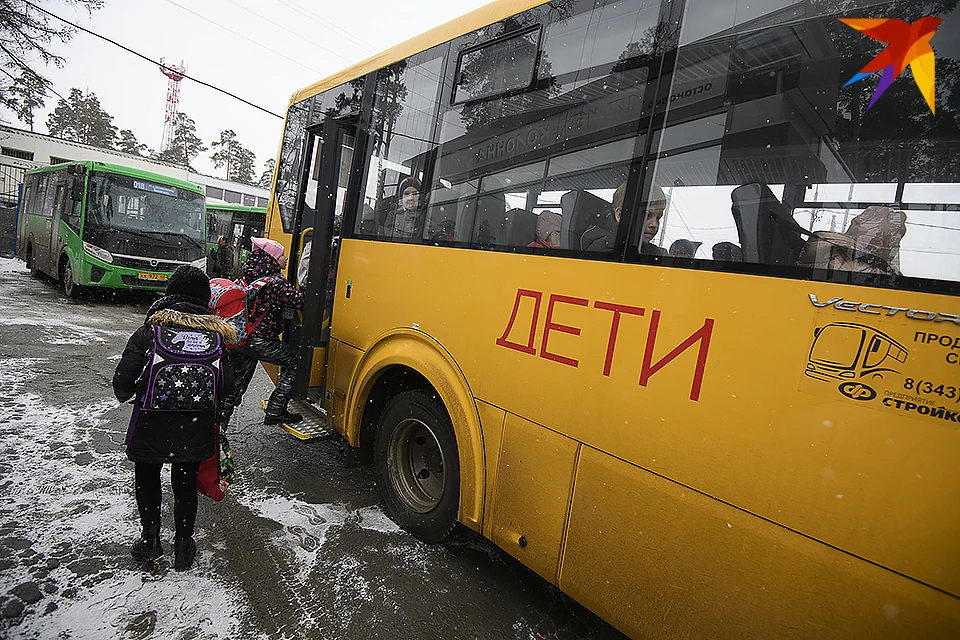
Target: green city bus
(92,224)
(237,224)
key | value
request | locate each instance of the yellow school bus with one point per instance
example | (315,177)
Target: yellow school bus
(660,297)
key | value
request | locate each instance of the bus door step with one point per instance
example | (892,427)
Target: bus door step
(314,425)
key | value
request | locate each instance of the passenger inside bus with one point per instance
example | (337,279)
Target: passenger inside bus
(602,233)
(871,244)
(651,224)
(548,231)
(403,222)
(769,234)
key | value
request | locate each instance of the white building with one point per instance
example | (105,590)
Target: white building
(21,150)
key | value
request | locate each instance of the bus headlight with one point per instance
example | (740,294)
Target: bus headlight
(200,264)
(97,252)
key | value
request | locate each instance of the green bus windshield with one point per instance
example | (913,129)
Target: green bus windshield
(125,213)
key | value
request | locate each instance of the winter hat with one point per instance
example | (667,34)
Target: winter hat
(272,247)
(189,281)
(408,182)
(547,223)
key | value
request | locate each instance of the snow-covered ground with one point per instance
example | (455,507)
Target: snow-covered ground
(298,549)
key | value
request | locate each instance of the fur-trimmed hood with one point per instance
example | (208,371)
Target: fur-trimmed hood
(173,318)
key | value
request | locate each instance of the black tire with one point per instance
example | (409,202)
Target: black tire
(418,466)
(32,263)
(71,289)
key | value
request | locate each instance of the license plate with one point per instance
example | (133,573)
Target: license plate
(151,276)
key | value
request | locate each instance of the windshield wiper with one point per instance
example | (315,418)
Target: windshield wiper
(193,241)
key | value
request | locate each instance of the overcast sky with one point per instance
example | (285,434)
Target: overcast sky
(262,50)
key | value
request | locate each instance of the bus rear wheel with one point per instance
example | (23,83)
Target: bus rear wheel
(417,465)
(72,290)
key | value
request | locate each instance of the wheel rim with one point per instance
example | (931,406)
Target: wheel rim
(415,461)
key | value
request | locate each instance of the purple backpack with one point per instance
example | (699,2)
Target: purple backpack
(183,374)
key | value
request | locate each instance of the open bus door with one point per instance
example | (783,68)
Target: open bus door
(323,191)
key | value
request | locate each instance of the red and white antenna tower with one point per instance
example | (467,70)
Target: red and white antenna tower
(175,75)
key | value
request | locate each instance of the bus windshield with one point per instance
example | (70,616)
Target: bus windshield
(143,212)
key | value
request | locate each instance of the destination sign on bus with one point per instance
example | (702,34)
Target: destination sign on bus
(155,188)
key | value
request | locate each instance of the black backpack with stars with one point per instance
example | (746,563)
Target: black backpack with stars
(184,372)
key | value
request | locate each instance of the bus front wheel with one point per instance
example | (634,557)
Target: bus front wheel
(417,465)
(70,287)
(32,263)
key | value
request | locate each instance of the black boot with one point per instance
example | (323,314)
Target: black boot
(185,551)
(148,546)
(282,417)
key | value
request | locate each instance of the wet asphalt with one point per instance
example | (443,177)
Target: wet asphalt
(299,548)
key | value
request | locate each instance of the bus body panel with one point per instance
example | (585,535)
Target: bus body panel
(530,525)
(860,478)
(343,362)
(663,560)
(492,420)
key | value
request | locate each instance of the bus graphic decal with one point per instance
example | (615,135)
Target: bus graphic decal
(849,351)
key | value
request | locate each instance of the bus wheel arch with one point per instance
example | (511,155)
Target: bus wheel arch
(71,288)
(407,361)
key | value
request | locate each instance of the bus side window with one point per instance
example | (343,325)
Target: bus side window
(39,194)
(26,198)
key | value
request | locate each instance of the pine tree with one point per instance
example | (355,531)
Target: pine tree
(25,96)
(128,143)
(185,145)
(81,118)
(239,161)
(266,178)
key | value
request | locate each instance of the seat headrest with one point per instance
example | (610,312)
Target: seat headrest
(580,210)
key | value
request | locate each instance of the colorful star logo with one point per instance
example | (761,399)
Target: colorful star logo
(907,44)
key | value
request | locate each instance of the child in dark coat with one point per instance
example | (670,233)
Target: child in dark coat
(263,345)
(182,438)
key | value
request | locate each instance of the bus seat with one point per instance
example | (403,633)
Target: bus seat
(489,226)
(727,251)
(441,220)
(523,227)
(683,248)
(580,210)
(768,233)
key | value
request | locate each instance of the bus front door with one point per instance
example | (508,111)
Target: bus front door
(323,190)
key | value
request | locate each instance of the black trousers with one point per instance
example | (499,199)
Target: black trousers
(184,480)
(244,361)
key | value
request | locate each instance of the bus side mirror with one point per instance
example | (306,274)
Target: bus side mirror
(76,190)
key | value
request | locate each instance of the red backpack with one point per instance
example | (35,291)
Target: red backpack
(237,303)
